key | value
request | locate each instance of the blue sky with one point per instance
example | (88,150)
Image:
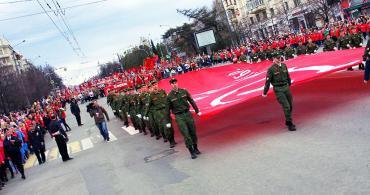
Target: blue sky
(102,30)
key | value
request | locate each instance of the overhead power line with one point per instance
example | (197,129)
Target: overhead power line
(19,1)
(58,28)
(39,13)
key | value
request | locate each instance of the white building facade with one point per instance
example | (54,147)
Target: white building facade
(9,59)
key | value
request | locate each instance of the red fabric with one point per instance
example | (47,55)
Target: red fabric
(149,63)
(2,153)
(241,82)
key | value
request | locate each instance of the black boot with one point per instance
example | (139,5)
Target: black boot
(196,151)
(126,124)
(193,156)
(291,126)
(172,143)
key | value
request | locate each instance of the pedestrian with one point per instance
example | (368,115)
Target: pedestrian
(12,149)
(98,113)
(37,142)
(178,102)
(63,116)
(75,110)
(278,76)
(61,138)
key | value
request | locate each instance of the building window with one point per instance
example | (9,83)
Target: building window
(258,17)
(264,15)
(272,12)
(1,51)
(252,20)
(297,2)
(234,2)
(286,6)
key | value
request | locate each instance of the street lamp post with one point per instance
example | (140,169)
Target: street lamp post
(17,67)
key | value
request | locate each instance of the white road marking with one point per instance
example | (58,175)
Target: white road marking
(86,144)
(130,130)
(112,136)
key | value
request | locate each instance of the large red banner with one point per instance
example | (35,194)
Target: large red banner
(217,88)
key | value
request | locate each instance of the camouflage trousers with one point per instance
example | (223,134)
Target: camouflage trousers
(186,125)
(284,97)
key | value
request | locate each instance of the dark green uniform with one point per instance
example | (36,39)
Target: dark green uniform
(254,57)
(329,45)
(269,53)
(262,55)
(344,42)
(122,108)
(115,104)
(301,50)
(289,53)
(311,48)
(132,110)
(356,40)
(178,102)
(279,77)
(141,104)
(156,104)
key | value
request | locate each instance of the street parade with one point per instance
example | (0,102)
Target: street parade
(229,101)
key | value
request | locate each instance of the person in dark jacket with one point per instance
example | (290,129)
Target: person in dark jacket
(12,149)
(76,111)
(98,113)
(61,138)
(37,142)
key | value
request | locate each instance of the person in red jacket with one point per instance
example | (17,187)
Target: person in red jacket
(363,29)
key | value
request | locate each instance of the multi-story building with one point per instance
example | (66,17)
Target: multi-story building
(10,59)
(264,18)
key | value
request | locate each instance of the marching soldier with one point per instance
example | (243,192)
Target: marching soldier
(254,56)
(356,39)
(132,109)
(301,49)
(289,52)
(311,47)
(122,107)
(157,103)
(366,57)
(344,41)
(269,52)
(178,102)
(278,76)
(329,44)
(261,55)
(141,101)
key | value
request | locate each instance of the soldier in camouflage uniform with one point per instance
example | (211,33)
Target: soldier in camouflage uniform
(269,53)
(301,49)
(356,39)
(311,47)
(123,107)
(278,76)
(157,104)
(110,98)
(329,44)
(344,41)
(289,52)
(261,55)
(115,104)
(178,102)
(254,56)
(132,109)
(141,103)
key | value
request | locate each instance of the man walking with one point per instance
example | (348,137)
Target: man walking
(36,141)
(75,109)
(178,102)
(278,76)
(12,149)
(61,138)
(98,113)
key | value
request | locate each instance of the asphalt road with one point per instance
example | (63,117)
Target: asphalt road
(252,154)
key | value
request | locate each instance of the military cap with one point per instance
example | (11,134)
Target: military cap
(173,80)
(276,55)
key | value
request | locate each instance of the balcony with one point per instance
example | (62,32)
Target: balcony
(258,9)
(231,7)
